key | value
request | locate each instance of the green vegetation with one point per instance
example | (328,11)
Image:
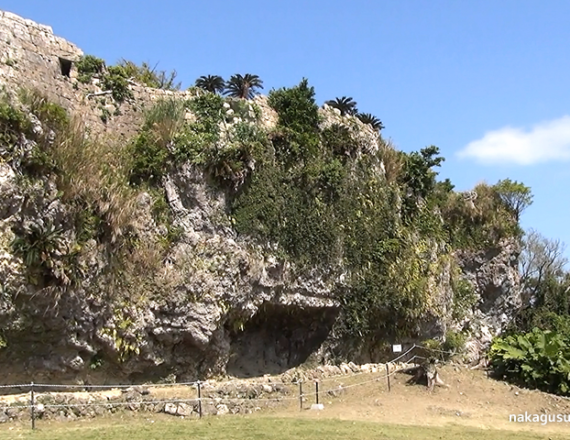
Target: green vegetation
(311,192)
(243,86)
(346,105)
(92,181)
(538,359)
(89,66)
(150,77)
(249,427)
(166,140)
(514,195)
(211,83)
(536,346)
(464,297)
(41,248)
(13,123)
(480,223)
(373,121)
(307,190)
(116,78)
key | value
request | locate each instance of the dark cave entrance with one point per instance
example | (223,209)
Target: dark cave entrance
(65,66)
(278,338)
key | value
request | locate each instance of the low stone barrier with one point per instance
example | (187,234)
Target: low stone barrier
(236,396)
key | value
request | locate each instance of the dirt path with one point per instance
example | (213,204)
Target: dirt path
(472,400)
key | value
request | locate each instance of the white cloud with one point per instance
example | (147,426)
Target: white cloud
(547,141)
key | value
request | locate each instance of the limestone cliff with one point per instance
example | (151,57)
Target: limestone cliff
(219,302)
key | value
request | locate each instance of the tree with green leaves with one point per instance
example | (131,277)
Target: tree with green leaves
(211,83)
(346,105)
(419,178)
(368,118)
(514,195)
(298,125)
(243,86)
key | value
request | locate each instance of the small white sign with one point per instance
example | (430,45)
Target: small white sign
(397,348)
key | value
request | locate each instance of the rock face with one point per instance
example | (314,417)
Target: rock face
(495,277)
(226,306)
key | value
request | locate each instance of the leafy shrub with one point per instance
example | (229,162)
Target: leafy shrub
(45,254)
(479,225)
(115,80)
(539,359)
(150,77)
(464,297)
(150,150)
(338,139)
(194,143)
(149,159)
(13,123)
(454,342)
(298,135)
(245,110)
(515,196)
(89,66)
(230,160)
(52,116)
(418,179)
(209,109)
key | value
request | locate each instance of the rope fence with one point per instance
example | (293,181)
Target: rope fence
(197,402)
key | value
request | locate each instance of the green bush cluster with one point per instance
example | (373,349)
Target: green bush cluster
(149,76)
(168,140)
(115,80)
(538,359)
(464,297)
(13,123)
(453,344)
(89,66)
(297,137)
(482,224)
(326,208)
(47,258)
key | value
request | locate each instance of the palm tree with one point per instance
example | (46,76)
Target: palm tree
(346,105)
(243,86)
(367,118)
(211,83)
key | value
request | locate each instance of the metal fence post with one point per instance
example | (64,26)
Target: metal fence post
(199,400)
(317,391)
(33,406)
(300,394)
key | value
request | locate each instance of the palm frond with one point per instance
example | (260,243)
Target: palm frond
(211,83)
(368,118)
(346,105)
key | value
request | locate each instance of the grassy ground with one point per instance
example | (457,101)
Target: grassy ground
(251,428)
(473,407)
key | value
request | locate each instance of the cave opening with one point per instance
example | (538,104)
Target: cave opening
(65,66)
(278,338)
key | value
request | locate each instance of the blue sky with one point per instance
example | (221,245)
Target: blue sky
(485,81)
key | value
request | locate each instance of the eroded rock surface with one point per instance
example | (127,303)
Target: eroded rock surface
(224,305)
